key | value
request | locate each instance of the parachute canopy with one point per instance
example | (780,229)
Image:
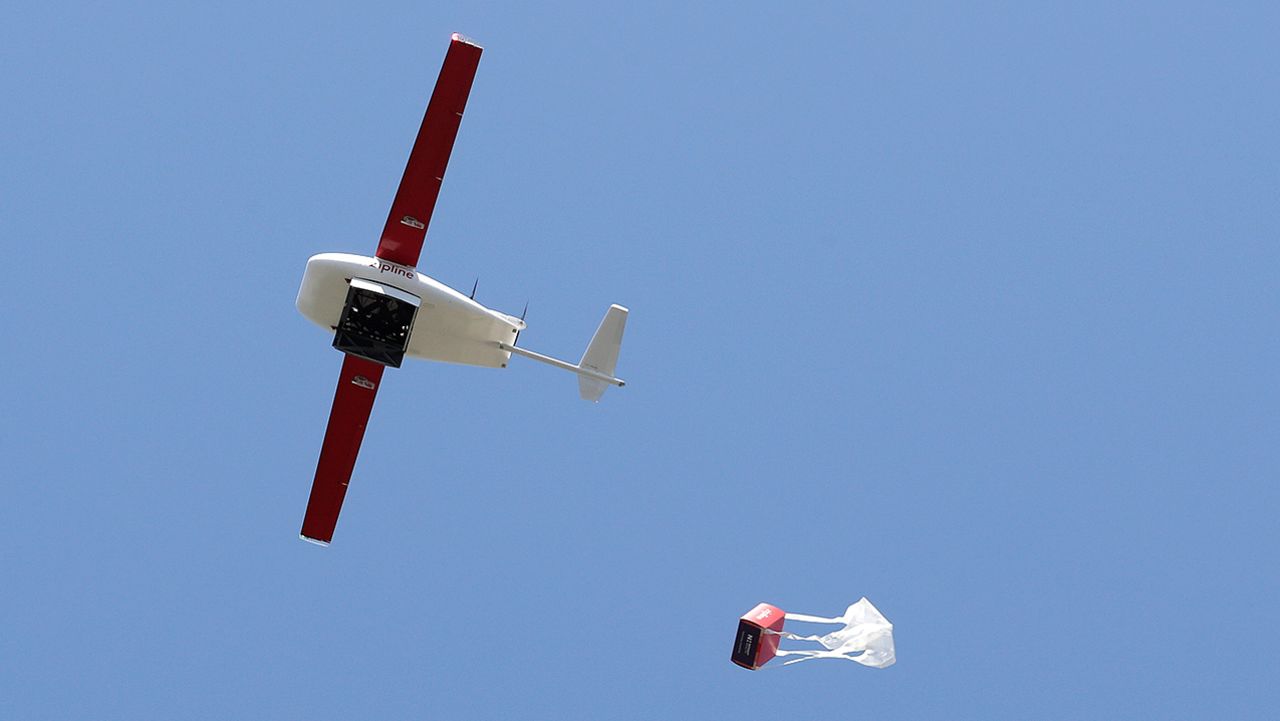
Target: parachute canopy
(865,637)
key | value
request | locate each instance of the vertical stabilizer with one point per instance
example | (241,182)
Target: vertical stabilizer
(602,353)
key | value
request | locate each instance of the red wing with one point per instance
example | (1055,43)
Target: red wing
(357,387)
(416,198)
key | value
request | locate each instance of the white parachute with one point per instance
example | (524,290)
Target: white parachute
(865,636)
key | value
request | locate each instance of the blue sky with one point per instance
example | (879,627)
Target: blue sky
(967,308)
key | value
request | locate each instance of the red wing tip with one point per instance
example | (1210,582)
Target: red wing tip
(460,38)
(316,541)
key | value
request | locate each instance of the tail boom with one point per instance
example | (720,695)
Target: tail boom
(584,372)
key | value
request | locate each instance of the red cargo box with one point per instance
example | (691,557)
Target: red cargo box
(753,648)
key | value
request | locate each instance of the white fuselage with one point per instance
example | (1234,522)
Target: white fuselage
(449,326)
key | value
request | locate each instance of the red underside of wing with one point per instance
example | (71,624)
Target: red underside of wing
(410,215)
(351,406)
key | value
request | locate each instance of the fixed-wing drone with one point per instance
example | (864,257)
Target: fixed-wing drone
(382,309)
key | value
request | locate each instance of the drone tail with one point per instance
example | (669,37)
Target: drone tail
(602,354)
(595,370)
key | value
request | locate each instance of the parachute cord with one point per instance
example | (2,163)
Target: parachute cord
(792,636)
(814,619)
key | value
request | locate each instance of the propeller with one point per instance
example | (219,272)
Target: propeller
(523,313)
